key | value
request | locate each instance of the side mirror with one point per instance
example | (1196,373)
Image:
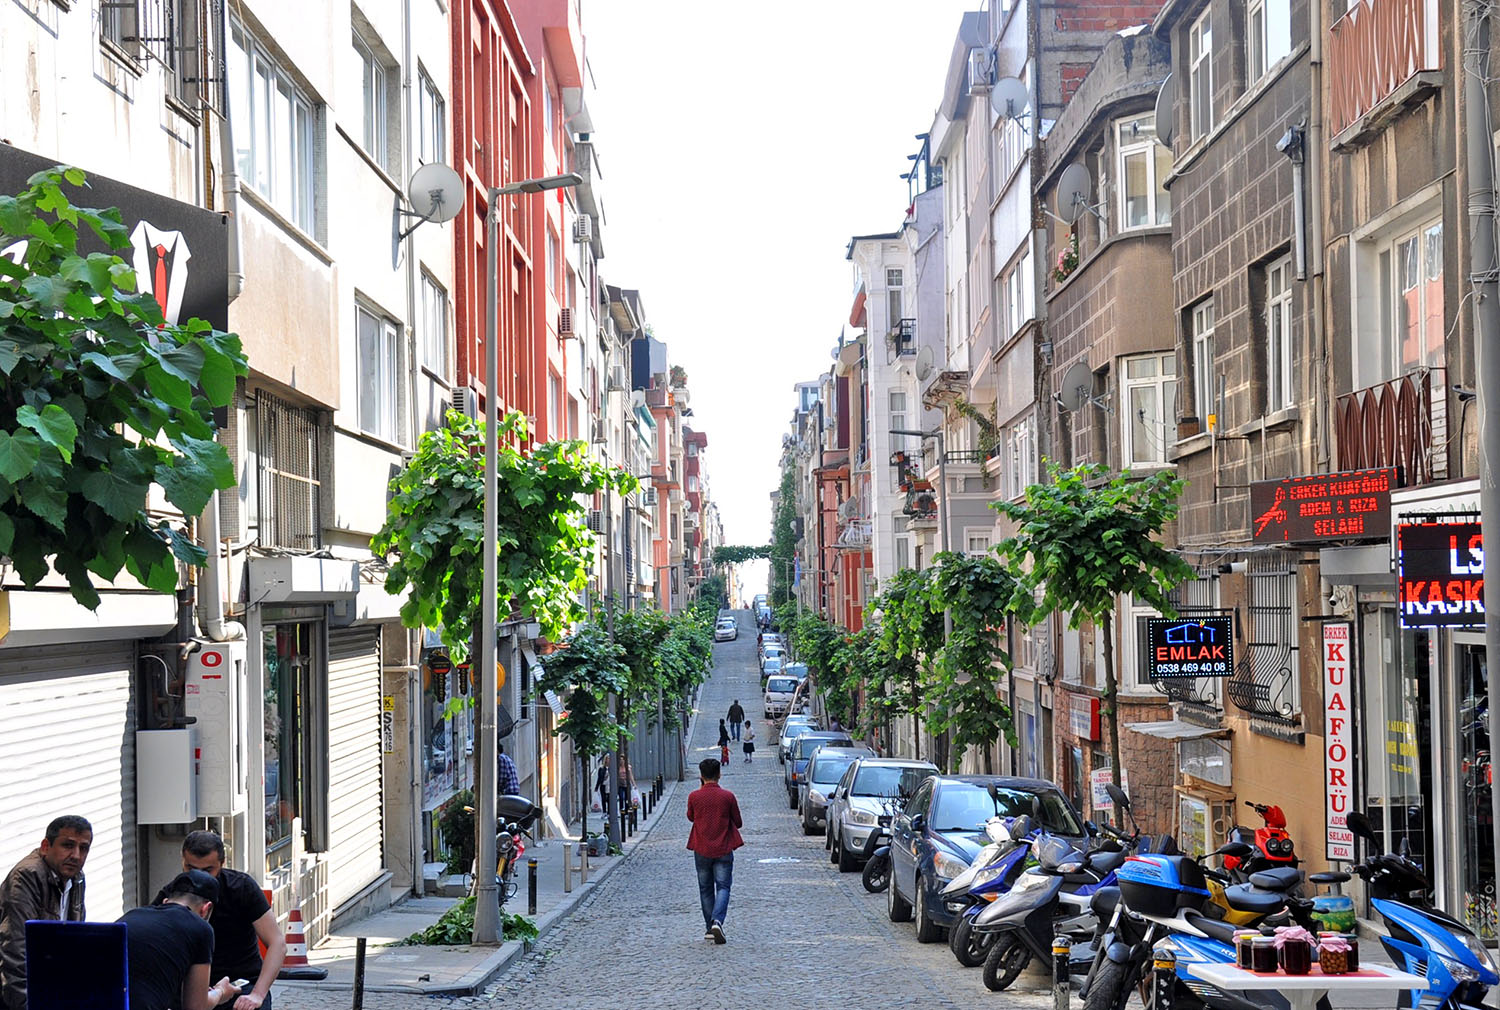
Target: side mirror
(1360,825)
(918,823)
(1118,796)
(1237,849)
(1091,829)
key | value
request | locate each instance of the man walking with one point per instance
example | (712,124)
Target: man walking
(736,718)
(242,920)
(509,781)
(47,884)
(715,835)
(168,948)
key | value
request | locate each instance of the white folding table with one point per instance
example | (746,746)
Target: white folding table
(1304,991)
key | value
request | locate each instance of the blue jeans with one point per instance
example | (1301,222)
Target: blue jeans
(714,878)
(734,731)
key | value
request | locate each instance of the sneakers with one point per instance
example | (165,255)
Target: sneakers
(717,932)
(708,934)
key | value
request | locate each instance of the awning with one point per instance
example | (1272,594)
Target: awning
(532,663)
(1176,729)
(857,310)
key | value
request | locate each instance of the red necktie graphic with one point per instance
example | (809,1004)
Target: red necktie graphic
(159,288)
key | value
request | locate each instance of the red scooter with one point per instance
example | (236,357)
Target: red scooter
(1271,845)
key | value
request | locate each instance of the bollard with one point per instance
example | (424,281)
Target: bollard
(1164,978)
(531,887)
(567,861)
(1061,990)
(583,863)
(359,974)
(634,821)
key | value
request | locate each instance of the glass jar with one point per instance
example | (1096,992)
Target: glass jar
(1353,940)
(1296,957)
(1242,945)
(1263,955)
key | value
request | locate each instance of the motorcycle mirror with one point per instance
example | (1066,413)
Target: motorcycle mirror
(1118,795)
(1091,828)
(1237,849)
(1359,823)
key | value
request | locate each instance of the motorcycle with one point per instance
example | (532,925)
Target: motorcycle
(991,874)
(1270,844)
(514,814)
(877,873)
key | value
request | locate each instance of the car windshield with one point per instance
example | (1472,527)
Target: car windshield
(808,744)
(965,806)
(888,780)
(781,685)
(828,769)
(796,729)
(773,664)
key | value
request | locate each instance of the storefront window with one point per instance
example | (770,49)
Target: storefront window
(1397,671)
(1478,857)
(447,727)
(288,654)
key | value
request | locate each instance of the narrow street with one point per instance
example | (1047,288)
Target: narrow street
(796,925)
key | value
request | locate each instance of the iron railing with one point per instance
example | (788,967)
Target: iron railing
(1192,598)
(185,36)
(290,484)
(1264,683)
(1401,423)
(904,336)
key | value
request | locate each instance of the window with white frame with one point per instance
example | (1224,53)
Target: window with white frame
(374,136)
(896,401)
(379,375)
(1204,400)
(1011,147)
(1279,383)
(553,252)
(903,551)
(1013,295)
(117,23)
(1401,329)
(1018,467)
(894,308)
(977,542)
(432,126)
(434,309)
(1150,396)
(555,406)
(1268,34)
(273,131)
(1130,660)
(1142,167)
(1201,75)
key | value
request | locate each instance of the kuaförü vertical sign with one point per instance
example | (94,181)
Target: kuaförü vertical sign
(1338,737)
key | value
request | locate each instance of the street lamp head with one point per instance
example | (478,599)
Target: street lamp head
(917,434)
(539,185)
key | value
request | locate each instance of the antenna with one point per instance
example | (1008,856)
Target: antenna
(1073,189)
(1009,98)
(1166,104)
(924,364)
(1077,383)
(435,192)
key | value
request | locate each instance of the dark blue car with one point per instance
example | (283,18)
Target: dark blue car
(941,830)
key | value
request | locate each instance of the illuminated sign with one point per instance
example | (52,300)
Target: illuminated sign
(1338,740)
(1189,647)
(1440,575)
(1354,505)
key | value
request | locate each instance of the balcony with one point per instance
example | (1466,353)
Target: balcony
(1382,55)
(1401,423)
(903,336)
(854,537)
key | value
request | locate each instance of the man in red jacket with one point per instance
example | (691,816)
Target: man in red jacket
(715,814)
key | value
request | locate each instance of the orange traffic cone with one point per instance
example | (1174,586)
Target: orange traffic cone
(294,966)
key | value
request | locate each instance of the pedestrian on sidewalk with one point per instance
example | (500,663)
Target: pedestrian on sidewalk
(168,948)
(508,781)
(241,922)
(723,743)
(46,884)
(601,784)
(736,716)
(749,742)
(715,834)
(626,783)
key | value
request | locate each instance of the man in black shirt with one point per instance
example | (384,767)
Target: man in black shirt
(241,917)
(168,948)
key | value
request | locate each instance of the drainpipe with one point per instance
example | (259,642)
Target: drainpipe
(1322,410)
(210,594)
(236,278)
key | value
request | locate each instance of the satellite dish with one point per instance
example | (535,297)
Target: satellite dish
(924,364)
(1076,387)
(436,192)
(834,353)
(1166,107)
(1009,98)
(1073,189)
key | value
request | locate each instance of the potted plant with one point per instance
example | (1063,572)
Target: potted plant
(1067,259)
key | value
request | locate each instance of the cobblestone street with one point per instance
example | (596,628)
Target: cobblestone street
(796,925)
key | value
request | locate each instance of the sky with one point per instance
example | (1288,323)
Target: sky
(741,146)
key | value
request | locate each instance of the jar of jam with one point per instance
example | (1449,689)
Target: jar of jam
(1263,955)
(1352,939)
(1296,957)
(1242,941)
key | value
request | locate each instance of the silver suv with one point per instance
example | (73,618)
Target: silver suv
(857,817)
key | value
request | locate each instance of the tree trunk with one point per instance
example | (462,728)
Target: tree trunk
(1111,695)
(588,791)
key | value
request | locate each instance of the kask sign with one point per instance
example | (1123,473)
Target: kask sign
(1190,647)
(1440,575)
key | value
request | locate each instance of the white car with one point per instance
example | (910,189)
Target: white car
(779,692)
(726,631)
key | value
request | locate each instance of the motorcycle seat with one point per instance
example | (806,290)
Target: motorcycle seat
(1102,902)
(1249,898)
(1213,927)
(1283,878)
(1328,877)
(1104,862)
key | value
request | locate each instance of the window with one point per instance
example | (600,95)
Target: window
(552,259)
(1268,34)
(1150,395)
(379,372)
(1018,458)
(1143,166)
(1402,319)
(554,405)
(903,551)
(977,542)
(273,131)
(373,136)
(1013,296)
(117,23)
(1203,360)
(434,327)
(432,128)
(1130,658)
(1279,386)
(893,307)
(287,493)
(1201,76)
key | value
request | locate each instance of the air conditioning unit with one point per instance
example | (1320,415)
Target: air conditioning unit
(617,378)
(979,72)
(650,496)
(565,323)
(466,401)
(600,431)
(583,228)
(596,520)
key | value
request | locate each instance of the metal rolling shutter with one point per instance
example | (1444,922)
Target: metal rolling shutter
(67,746)
(354,798)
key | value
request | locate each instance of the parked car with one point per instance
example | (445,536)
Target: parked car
(778,696)
(858,821)
(795,725)
(770,668)
(802,751)
(726,630)
(770,649)
(823,773)
(941,829)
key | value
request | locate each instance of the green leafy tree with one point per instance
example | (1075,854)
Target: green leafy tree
(783,540)
(585,672)
(433,535)
(713,591)
(733,554)
(1086,538)
(100,399)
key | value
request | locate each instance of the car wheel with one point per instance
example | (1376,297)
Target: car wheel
(897,909)
(927,930)
(848,862)
(791,801)
(808,828)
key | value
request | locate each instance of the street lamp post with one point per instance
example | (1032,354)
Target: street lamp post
(487,901)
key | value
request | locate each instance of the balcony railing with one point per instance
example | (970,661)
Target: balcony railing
(904,336)
(1375,48)
(1401,423)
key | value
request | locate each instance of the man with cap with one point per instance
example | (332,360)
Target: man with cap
(169,948)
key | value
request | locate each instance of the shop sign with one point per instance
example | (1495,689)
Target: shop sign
(1083,716)
(1099,779)
(439,663)
(388,724)
(1352,505)
(1189,647)
(1440,572)
(1338,739)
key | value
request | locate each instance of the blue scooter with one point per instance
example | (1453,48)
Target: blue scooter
(992,873)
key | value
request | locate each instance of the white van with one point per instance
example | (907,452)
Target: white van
(779,693)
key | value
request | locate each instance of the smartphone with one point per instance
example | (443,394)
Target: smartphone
(241,984)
